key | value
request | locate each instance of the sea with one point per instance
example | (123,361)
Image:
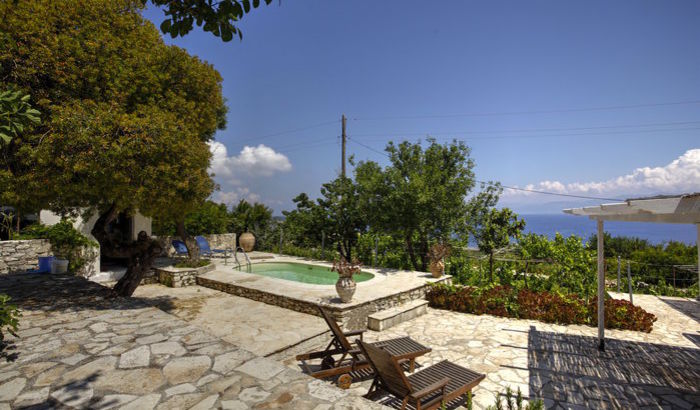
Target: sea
(655,233)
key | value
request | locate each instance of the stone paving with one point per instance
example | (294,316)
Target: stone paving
(260,328)
(80,348)
(561,364)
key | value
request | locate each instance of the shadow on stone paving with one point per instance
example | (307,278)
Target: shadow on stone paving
(571,371)
(693,337)
(68,293)
(690,308)
(7,351)
(75,394)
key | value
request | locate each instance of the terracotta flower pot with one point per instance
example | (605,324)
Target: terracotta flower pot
(437,269)
(345,287)
(247,241)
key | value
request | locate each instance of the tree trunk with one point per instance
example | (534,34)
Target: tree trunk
(424,254)
(190,243)
(411,251)
(491,266)
(140,254)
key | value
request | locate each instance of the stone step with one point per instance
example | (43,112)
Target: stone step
(391,317)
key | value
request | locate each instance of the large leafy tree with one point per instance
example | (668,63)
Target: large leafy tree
(420,197)
(126,119)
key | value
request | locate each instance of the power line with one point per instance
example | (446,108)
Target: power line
(660,124)
(506,186)
(553,111)
(290,131)
(500,137)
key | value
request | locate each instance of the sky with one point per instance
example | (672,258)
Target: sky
(591,98)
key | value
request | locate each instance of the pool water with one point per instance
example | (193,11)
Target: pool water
(300,272)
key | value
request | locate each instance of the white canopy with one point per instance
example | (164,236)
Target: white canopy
(684,209)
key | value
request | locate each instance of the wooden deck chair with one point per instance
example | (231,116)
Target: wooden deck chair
(426,389)
(404,349)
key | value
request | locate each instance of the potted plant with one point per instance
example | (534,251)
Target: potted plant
(437,254)
(346,286)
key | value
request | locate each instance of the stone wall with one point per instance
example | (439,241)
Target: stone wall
(20,256)
(180,277)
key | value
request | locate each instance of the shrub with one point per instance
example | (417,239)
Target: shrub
(9,317)
(550,307)
(66,241)
(515,402)
(621,314)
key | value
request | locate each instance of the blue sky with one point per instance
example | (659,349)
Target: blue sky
(547,73)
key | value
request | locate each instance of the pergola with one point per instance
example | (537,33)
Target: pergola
(680,209)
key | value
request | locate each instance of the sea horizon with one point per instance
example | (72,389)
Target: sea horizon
(655,233)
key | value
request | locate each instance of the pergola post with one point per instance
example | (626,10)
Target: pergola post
(601,287)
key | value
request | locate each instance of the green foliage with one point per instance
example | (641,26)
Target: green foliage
(495,230)
(336,214)
(254,217)
(516,402)
(217,18)
(127,118)
(16,114)
(66,241)
(507,301)
(208,218)
(187,263)
(9,317)
(419,197)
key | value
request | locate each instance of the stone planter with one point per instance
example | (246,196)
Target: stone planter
(247,241)
(437,269)
(345,287)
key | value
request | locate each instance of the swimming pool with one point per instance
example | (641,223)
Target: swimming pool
(301,272)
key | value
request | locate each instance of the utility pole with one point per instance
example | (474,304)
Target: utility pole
(343,120)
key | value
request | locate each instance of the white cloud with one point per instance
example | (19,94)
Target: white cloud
(231,198)
(252,161)
(680,176)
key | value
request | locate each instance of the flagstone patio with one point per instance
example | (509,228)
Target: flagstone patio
(80,348)
(561,364)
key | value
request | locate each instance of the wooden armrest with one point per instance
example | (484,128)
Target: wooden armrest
(440,384)
(354,333)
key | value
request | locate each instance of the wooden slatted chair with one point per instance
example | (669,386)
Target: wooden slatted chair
(426,389)
(404,349)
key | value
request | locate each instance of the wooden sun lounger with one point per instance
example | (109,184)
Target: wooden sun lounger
(403,349)
(426,389)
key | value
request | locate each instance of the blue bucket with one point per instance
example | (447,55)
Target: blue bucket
(45,264)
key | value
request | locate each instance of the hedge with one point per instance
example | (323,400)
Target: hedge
(507,301)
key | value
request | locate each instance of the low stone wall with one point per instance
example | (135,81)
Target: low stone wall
(20,256)
(180,277)
(216,241)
